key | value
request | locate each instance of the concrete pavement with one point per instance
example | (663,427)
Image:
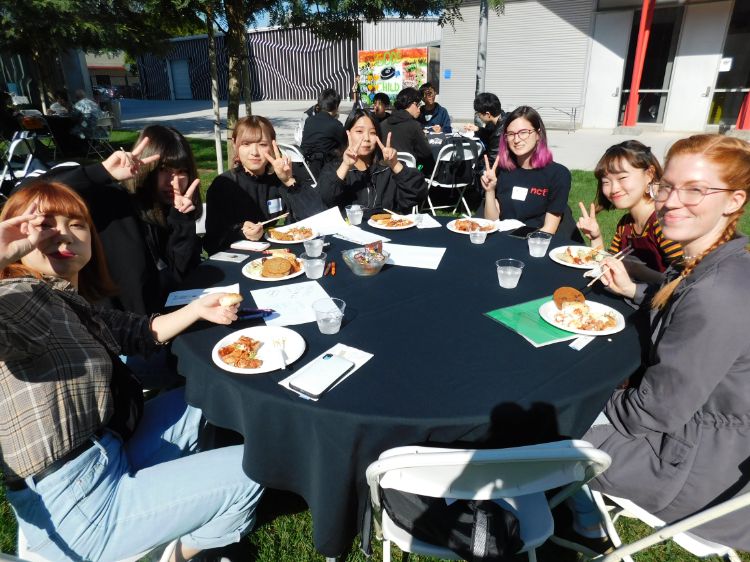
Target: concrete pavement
(577,150)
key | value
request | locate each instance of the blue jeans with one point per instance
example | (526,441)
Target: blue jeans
(116,500)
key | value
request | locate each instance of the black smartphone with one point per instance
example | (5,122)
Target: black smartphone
(522,231)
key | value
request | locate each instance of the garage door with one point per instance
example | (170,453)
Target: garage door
(181,79)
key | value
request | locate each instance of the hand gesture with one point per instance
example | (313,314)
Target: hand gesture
(587,223)
(616,278)
(252,231)
(209,308)
(352,151)
(20,235)
(184,202)
(282,166)
(489,177)
(123,165)
(390,155)
(471,128)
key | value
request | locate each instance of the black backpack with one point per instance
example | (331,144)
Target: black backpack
(458,169)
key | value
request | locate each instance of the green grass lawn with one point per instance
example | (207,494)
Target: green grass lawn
(288,538)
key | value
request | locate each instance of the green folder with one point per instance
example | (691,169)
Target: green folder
(524,319)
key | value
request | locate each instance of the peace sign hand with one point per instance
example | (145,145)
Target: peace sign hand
(390,155)
(123,165)
(282,166)
(184,202)
(588,224)
(20,235)
(352,151)
(489,177)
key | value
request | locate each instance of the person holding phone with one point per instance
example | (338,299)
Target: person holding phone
(530,186)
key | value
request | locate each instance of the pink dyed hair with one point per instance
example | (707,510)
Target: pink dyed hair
(542,155)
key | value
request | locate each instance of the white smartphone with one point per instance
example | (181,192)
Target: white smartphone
(320,375)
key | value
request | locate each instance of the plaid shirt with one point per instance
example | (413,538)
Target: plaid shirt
(54,375)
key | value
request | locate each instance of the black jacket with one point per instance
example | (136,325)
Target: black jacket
(236,196)
(146,261)
(407,136)
(375,188)
(491,135)
(323,139)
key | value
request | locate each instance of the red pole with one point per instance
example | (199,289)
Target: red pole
(644,31)
(743,119)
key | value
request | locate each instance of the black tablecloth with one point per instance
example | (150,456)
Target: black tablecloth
(442,374)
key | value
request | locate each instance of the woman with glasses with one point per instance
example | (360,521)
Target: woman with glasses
(680,438)
(530,187)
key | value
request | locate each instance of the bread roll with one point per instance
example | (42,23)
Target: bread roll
(230,299)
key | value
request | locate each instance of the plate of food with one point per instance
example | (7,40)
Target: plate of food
(276,267)
(258,349)
(580,257)
(290,234)
(467,226)
(570,311)
(386,221)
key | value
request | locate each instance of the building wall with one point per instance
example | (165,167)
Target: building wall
(393,33)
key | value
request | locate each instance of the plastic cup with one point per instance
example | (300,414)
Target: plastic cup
(509,272)
(313,265)
(538,243)
(417,218)
(477,237)
(354,214)
(314,247)
(329,313)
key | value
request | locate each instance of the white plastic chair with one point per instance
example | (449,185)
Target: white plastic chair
(200,224)
(445,155)
(99,141)
(18,157)
(156,554)
(408,159)
(519,475)
(295,155)
(612,508)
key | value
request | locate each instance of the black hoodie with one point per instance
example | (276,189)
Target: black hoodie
(407,136)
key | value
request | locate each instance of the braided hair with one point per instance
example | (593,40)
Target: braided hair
(731,156)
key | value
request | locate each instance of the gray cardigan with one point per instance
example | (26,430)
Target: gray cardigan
(680,440)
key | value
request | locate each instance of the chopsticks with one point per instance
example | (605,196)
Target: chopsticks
(619,257)
(274,219)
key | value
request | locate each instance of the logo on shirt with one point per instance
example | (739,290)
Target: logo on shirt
(540,191)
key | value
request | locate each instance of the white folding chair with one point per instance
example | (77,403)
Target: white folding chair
(160,554)
(612,508)
(98,142)
(295,155)
(200,224)
(518,475)
(408,159)
(18,158)
(447,154)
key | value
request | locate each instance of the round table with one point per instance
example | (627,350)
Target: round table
(442,374)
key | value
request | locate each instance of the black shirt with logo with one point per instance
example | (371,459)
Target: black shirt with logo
(527,195)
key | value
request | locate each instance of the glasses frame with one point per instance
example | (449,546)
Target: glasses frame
(523,134)
(654,187)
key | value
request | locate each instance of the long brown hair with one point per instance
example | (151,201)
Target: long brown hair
(731,156)
(253,126)
(55,198)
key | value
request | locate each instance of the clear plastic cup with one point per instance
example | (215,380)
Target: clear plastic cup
(354,214)
(477,237)
(538,243)
(313,265)
(329,313)
(314,247)
(509,272)
(417,218)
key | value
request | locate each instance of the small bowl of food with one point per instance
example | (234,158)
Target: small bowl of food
(366,261)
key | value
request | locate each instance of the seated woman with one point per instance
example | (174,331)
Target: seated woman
(370,174)
(531,187)
(260,187)
(83,484)
(680,439)
(147,222)
(624,175)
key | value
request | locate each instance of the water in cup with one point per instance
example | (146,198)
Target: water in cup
(509,272)
(313,266)
(329,313)
(313,247)
(538,243)
(477,237)
(330,324)
(354,214)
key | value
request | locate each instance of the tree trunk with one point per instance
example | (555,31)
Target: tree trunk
(482,47)
(214,87)
(235,47)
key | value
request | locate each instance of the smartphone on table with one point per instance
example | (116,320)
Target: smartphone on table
(522,231)
(320,375)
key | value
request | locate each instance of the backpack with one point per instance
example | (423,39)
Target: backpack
(457,169)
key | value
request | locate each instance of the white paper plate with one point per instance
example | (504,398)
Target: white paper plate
(284,229)
(452,225)
(294,347)
(548,310)
(374,224)
(555,254)
(253,271)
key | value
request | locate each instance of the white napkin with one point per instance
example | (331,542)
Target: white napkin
(428,221)
(508,224)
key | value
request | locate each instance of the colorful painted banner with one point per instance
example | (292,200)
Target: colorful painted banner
(390,71)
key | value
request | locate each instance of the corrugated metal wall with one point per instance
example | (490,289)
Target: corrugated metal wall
(537,54)
(393,33)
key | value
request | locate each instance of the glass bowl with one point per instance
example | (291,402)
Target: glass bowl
(363,269)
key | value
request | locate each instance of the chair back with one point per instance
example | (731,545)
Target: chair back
(408,159)
(104,126)
(295,155)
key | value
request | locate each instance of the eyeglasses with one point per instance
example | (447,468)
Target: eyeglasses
(687,195)
(523,134)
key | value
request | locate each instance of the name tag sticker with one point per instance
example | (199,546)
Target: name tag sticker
(519,193)
(275,205)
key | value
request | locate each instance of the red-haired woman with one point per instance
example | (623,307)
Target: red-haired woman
(531,187)
(260,187)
